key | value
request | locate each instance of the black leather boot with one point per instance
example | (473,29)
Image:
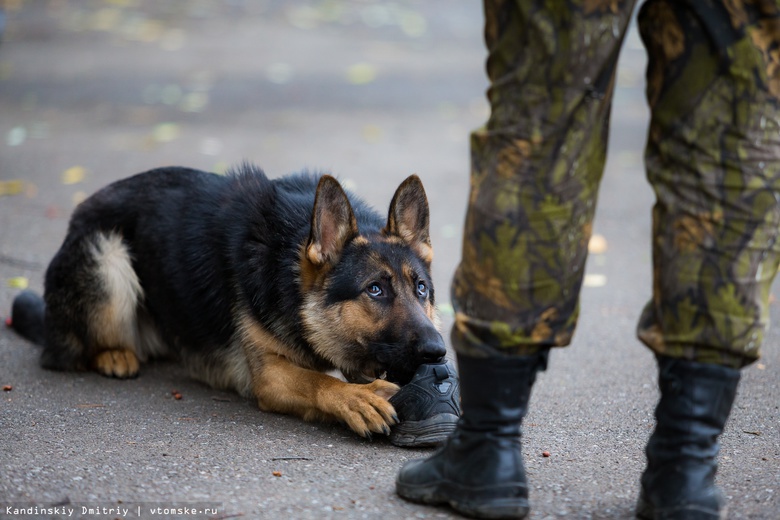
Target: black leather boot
(479,472)
(679,481)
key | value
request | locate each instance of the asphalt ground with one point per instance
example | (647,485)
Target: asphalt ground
(92,91)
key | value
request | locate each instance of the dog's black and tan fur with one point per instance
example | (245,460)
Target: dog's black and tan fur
(257,285)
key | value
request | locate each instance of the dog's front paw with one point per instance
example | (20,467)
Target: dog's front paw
(365,408)
(122,364)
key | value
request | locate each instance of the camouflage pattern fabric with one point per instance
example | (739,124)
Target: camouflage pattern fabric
(712,158)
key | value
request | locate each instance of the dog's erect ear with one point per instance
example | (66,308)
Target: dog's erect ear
(333,223)
(409,218)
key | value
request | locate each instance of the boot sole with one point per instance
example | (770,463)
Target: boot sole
(432,431)
(646,511)
(495,508)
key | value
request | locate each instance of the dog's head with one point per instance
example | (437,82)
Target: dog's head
(368,298)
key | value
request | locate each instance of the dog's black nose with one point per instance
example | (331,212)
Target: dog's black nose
(431,349)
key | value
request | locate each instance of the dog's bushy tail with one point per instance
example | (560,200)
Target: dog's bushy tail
(27,314)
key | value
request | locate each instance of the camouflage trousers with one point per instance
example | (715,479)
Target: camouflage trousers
(712,158)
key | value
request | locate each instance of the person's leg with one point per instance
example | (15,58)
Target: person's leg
(713,158)
(536,167)
(535,172)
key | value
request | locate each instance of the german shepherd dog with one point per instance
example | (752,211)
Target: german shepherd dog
(256,285)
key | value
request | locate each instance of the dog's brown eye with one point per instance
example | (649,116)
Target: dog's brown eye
(374,290)
(422,289)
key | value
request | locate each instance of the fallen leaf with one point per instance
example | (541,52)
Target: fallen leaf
(105,19)
(7,388)
(18,282)
(545,454)
(12,187)
(597,245)
(304,17)
(372,133)
(277,473)
(594,280)
(194,102)
(165,132)
(413,24)
(16,136)
(73,175)
(361,74)
(52,212)
(149,31)
(78,197)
